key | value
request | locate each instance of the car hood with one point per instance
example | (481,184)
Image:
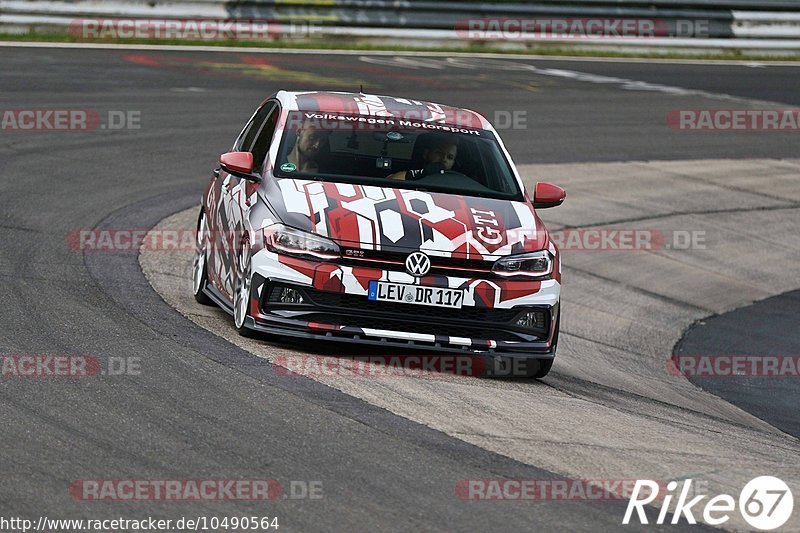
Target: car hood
(394,219)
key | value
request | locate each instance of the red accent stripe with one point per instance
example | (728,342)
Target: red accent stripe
(323,327)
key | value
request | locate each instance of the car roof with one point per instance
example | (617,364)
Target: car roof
(380,106)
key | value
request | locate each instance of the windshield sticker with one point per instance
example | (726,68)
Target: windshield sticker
(441,127)
(331,121)
(349,118)
(394,135)
(288,167)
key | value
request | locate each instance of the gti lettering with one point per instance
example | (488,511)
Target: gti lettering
(487,224)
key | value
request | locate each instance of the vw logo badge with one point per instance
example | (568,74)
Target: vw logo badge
(418,264)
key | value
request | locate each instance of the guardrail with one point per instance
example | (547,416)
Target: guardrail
(739,24)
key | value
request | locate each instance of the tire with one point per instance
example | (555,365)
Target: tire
(241,289)
(501,366)
(539,368)
(199,264)
(544,365)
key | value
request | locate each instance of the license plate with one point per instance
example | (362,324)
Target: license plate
(383,291)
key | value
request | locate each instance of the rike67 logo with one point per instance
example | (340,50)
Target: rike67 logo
(765,503)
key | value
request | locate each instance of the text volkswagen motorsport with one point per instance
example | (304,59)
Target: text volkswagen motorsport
(380,220)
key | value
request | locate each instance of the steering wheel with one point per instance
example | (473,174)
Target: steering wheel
(434,169)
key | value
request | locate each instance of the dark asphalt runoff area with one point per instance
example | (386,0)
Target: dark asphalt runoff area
(202,408)
(766,328)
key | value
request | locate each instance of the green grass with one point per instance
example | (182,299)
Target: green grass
(348,44)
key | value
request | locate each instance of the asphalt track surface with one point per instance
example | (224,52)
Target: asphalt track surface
(769,330)
(204,407)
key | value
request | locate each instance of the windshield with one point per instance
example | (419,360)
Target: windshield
(394,152)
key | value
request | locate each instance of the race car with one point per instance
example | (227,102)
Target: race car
(384,221)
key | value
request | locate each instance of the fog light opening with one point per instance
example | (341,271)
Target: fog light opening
(533,319)
(290,296)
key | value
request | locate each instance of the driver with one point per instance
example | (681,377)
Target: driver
(439,157)
(311,144)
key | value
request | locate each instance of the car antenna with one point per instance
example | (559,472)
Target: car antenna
(361,88)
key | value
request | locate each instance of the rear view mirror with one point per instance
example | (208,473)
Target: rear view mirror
(548,195)
(239,164)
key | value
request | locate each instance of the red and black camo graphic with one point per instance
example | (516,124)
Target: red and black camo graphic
(388,106)
(376,218)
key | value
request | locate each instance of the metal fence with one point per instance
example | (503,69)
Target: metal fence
(762,24)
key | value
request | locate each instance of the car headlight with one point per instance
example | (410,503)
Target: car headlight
(285,240)
(536,264)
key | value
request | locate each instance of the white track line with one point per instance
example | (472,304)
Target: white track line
(408,53)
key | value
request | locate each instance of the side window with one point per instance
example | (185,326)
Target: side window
(251,131)
(263,139)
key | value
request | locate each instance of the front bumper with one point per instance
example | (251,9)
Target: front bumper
(335,307)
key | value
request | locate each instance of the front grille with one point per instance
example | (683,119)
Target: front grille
(352,301)
(351,309)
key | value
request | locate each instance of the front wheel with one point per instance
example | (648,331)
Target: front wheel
(544,366)
(241,289)
(508,367)
(500,367)
(539,368)
(199,270)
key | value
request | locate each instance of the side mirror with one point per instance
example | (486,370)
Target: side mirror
(239,164)
(548,195)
